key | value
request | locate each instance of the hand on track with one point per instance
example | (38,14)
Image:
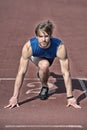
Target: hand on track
(72,102)
(12,103)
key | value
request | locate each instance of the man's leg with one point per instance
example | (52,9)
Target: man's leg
(43,66)
(43,73)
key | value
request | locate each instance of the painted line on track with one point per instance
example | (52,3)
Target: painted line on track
(83,87)
(43,126)
(38,79)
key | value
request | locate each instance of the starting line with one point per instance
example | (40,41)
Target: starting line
(1,79)
(43,126)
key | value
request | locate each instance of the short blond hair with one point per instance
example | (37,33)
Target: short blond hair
(44,26)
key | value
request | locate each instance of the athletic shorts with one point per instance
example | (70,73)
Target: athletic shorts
(36,60)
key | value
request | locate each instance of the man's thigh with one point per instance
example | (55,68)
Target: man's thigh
(36,60)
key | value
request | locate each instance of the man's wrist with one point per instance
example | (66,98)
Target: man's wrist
(70,97)
(15,96)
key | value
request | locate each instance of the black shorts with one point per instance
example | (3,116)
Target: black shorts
(36,60)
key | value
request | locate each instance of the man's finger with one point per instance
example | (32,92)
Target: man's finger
(11,106)
(7,106)
(79,106)
(76,106)
(18,105)
(68,105)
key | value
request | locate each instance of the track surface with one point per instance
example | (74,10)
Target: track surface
(18,19)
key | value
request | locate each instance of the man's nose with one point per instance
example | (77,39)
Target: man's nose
(44,39)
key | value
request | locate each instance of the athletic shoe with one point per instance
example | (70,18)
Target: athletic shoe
(44,93)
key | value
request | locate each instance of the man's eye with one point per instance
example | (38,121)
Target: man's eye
(43,36)
(40,36)
(46,36)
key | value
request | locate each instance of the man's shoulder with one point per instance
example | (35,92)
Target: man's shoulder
(62,52)
(55,40)
(33,39)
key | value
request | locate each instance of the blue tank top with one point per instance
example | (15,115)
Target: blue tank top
(49,53)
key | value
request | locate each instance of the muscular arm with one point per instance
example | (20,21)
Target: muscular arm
(26,53)
(20,75)
(64,63)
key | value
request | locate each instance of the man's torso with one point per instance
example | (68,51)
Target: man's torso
(49,52)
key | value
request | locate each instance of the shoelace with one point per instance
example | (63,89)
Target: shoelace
(44,91)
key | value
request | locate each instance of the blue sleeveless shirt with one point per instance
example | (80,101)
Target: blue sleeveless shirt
(49,53)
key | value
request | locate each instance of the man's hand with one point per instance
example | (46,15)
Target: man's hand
(72,102)
(12,103)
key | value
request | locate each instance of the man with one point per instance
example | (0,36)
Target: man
(42,50)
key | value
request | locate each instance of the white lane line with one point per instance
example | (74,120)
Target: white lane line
(81,78)
(7,79)
(43,126)
(38,79)
(83,87)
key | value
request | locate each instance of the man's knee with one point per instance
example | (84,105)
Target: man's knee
(44,65)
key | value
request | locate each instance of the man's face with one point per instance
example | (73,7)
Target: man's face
(43,39)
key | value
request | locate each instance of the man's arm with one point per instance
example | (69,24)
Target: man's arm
(64,63)
(26,52)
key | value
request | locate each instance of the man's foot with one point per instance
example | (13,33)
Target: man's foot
(44,93)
